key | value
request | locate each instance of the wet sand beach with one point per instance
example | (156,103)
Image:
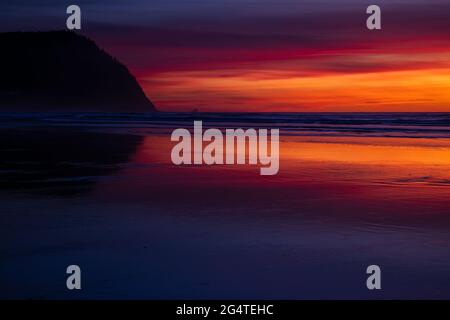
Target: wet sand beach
(101,192)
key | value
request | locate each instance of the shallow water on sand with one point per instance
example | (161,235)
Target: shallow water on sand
(103,194)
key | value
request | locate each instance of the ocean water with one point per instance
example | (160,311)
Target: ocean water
(100,191)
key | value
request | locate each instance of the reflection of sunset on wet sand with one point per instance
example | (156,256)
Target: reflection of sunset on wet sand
(352,190)
(335,149)
(376,151)
(394,152)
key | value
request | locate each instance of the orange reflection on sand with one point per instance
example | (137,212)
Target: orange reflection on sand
(359,150)
(366,150)
(340,168)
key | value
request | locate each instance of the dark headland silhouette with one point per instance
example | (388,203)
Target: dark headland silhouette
(64,71)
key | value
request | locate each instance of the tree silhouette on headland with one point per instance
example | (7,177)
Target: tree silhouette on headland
(63,71)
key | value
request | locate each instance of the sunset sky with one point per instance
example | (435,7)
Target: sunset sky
(267,55)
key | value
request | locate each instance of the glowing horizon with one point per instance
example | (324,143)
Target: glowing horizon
(389,91)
